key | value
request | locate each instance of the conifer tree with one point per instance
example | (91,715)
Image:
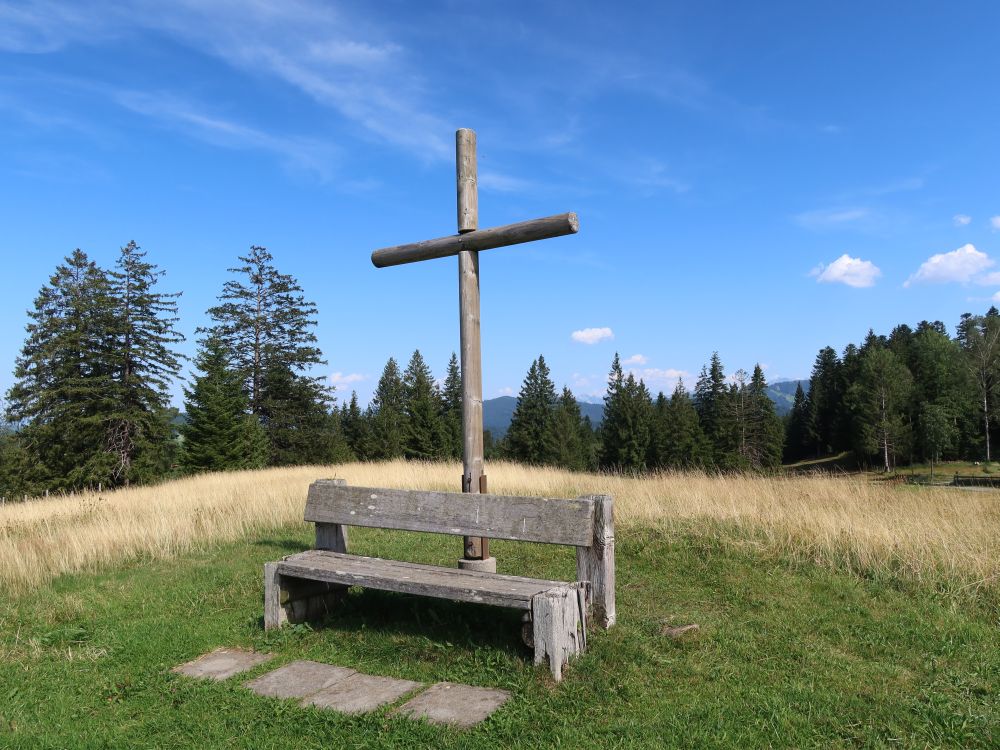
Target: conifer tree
(356,429)
(570,433)
(219,433)
(681,442)
(451,409)
(710,402)
(266,324)
(142,323)
(531,437)
(298,420)
(879,400)
(826,397)
(628,416)
(796,435)
(387,416)
(764,434)
(424,432)
(63,390)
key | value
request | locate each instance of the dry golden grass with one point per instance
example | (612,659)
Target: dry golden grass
(942,536)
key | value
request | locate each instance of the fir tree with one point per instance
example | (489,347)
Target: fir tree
(710,402)
(424,432)
(685,445)
(451,410)
(64,390)
(142,334)
(531,437)
(387,414)
(219,433)
(826,398)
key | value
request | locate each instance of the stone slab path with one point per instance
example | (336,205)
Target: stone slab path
(222,663)
(458,705)
(348,691)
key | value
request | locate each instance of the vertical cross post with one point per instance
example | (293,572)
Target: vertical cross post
(476,553)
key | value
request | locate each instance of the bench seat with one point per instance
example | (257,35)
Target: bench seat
(514,592)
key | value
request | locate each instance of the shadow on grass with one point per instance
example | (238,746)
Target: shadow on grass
(368,612)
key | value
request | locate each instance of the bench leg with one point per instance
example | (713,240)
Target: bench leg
(292,600)
(558,626)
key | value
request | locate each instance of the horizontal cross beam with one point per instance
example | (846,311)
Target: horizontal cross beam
(482,239)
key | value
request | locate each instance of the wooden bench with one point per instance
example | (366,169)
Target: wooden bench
(306,585)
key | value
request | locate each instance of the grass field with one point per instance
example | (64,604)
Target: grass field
(833,613)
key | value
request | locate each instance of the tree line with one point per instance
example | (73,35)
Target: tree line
(90,404)
(912,396)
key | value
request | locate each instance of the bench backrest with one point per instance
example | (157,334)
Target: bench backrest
(525,519)
(586,523)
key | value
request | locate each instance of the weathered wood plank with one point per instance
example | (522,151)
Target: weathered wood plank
(413,578)
(467,180)
(483,239)
(527,519)
(596,562)
(558,627)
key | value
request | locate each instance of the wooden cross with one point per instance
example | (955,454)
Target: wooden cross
(466,245)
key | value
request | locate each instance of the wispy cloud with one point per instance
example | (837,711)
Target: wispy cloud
(853,272)
(826,218)
(592,335)
(995,222)
(659,378)
(503,183)
(635,359)
(332,57)
(339,379)
(961,220)
(168,110)
(960,265)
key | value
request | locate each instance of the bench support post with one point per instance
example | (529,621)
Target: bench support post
(559,626)
(596,563)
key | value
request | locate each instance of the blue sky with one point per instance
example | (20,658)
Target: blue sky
(759,179)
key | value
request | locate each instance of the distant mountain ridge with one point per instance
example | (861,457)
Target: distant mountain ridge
(497,412)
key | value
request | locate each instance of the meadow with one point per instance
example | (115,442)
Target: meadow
(833,612)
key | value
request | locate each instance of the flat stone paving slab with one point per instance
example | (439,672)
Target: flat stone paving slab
(299,679)
(361,693)
(222,663)
(458,705)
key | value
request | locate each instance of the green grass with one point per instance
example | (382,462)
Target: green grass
(787,656)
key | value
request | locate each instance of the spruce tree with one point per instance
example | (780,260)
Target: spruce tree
(387,416)
(266,324)
(826,398)
(298,420)
(451,410)
(219,433)
(765,433)
(796,430)
(879,401)
(143,333)
(711,403)
(683,444)
(570,433)
(64,390)
(531,436)
(424,431)
(628,416)
(356,429)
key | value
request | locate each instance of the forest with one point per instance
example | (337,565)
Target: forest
(90,404)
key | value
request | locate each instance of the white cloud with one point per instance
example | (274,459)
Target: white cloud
(962,220)
(959,265)
(847,270)
(989,279)
(995,222)
(592,335)
(505,391)
(660,378)
(340,379)
(996,297)
(635,359)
